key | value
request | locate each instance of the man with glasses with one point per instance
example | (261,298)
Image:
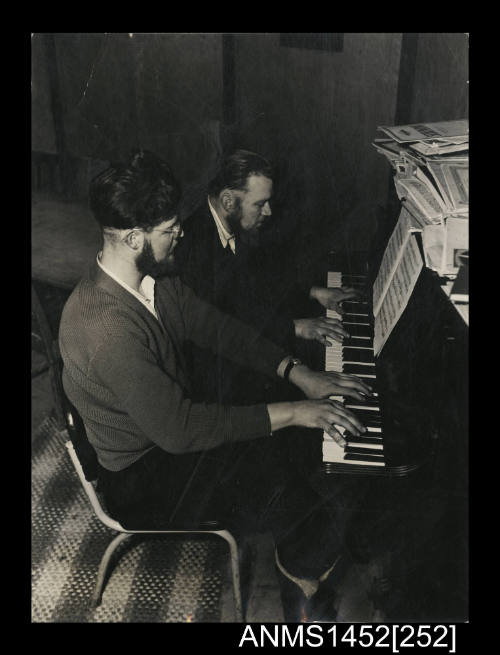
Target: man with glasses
(162,456)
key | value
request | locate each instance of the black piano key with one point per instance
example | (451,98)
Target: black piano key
(367,402)
(351,307)
(358,284)
(353,450)
(355,329)
(358,275)
(361,458)
(357,355)
(371,415)
(369,419)
(361,370)
(357,342)
(367,378)
(349,279)
(352,440)
(355,302)
(356,319)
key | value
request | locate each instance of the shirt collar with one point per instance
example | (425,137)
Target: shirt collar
(224,236)
(147,288)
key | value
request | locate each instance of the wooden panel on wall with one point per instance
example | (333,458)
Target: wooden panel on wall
(162,92)
(43,138)
(178,90)
(97,95)
(441,91)
(316,114)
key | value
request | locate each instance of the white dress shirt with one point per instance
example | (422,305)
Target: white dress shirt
(224,236)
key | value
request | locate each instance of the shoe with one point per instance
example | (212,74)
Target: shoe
(293,600)
(298,608)
(321,607)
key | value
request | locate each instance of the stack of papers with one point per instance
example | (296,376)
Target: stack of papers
(431,163)
(429,132)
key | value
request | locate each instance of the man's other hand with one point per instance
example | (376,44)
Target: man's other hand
(323,384)
(321,329)
(328,415)
(331,297)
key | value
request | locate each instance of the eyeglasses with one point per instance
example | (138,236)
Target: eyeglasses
(175,229)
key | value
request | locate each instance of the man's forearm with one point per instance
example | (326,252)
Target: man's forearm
(281,415)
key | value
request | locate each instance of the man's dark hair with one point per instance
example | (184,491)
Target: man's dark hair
(235,170)
(141,193)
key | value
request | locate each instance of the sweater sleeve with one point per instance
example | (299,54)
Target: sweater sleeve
(208,327)
(155,401)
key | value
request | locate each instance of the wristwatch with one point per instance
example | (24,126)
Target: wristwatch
(293,362)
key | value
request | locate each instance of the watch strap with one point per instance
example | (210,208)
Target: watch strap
(293,362)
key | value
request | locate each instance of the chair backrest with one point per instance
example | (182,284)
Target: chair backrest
(78,436)
(84,460)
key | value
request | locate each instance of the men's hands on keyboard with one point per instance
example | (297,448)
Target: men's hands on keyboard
(332,297)
(320,329)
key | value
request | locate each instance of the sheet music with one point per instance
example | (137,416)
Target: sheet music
(392,255)
(423,195)
(398,293)
(457,179)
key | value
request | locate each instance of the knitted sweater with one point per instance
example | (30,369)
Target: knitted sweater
(125,373)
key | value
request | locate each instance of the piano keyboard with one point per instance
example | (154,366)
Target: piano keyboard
(355,355)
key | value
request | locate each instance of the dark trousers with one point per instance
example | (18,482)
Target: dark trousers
(249,487)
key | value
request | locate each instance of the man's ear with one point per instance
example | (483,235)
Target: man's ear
(227,200)
(135,239)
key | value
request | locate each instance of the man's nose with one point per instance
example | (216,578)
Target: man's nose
(266,210)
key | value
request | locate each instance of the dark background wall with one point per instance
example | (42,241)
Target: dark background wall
(441,78)
(315,113)
(186,96)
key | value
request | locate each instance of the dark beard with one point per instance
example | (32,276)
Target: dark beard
(248,237)
(234,218)
(147,264)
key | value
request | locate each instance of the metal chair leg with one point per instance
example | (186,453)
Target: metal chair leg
(103,566)
(235,568)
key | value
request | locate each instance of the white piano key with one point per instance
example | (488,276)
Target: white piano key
(372,446)
(361,321)
(353,442)
(368,408)
(360,347)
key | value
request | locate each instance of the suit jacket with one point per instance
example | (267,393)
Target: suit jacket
(126,374)
(250,285)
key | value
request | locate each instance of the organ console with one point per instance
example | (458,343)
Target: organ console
(410,379)
(416,436)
